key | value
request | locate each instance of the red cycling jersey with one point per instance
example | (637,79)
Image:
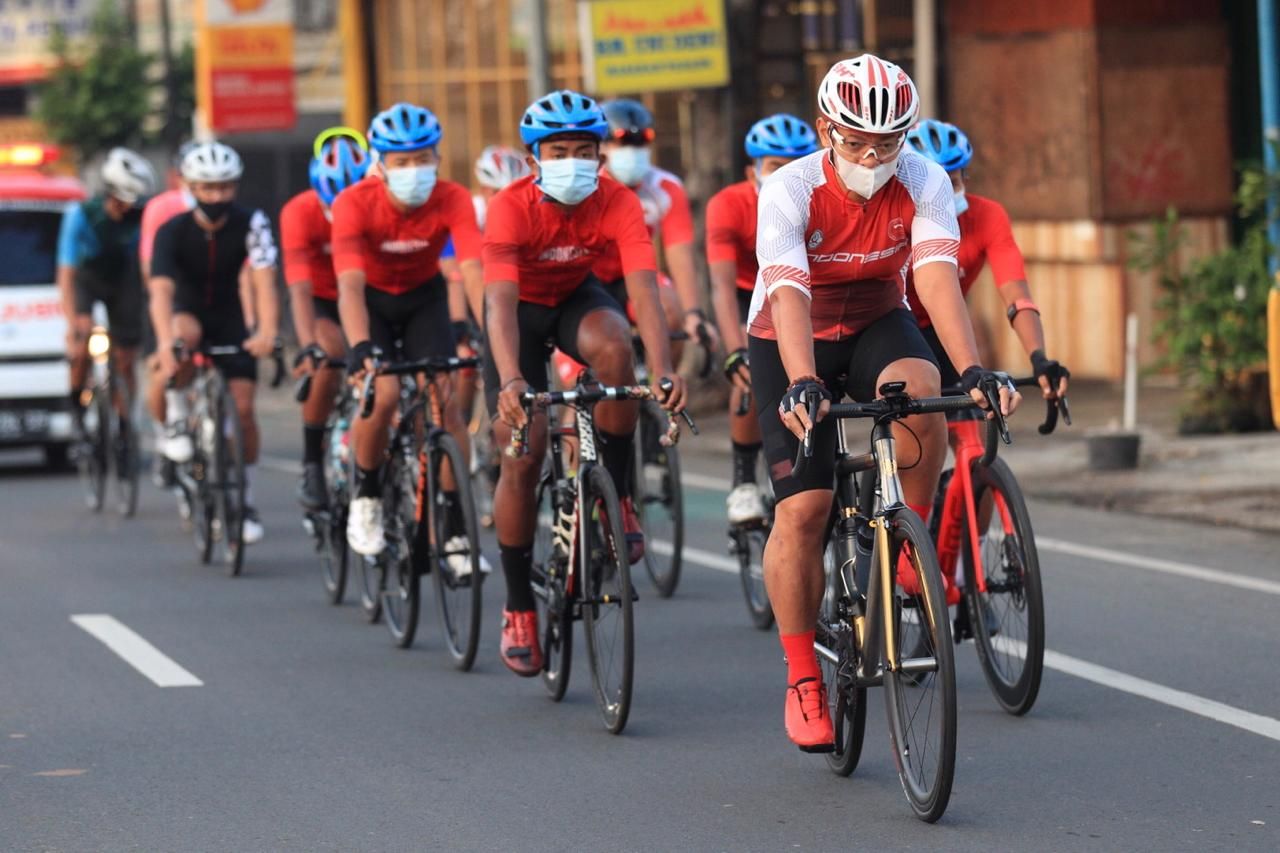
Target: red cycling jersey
(850,258)
(666,209)
(985,234)
(399,251)
(305,240)
(549,250)
(731,230)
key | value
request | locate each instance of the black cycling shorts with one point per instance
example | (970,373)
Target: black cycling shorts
(418,319)
(326,309)
(123,300)
(744,305)
(542,329)
(849,367)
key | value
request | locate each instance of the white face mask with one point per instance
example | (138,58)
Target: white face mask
(570,180)
(412,185)
(962,203)
(628,164)
(864,181)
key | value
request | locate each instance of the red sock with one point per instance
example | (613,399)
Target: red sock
(802,661)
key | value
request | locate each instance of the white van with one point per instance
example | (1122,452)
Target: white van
(34,381)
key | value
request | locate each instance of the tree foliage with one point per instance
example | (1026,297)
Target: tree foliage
(98,96)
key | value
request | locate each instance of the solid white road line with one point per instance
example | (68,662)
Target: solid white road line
(1208,708)
(1155,564)
(135,650)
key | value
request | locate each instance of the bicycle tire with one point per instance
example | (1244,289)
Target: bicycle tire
(93,454)
(127,479)
(335,554)
(927,784)
(1000,646)
(202,502)
(846,700)
(460,601)
(229,444)
(555,611)
(748,544)
(402,580)
(372,579)
(482,467)
(659,504)
(606,590)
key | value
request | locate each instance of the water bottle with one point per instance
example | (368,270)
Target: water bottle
(863,542)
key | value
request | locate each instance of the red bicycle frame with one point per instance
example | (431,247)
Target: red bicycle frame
(959,505)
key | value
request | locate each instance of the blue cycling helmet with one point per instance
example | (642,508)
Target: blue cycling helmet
(342,159)
(781,135)
(559,113)
(942,142)
(404,127)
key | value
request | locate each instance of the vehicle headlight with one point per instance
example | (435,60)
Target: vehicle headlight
(99,343)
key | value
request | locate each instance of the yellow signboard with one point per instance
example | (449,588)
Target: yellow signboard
(653,45)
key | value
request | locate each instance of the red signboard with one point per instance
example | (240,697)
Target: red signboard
(248,99)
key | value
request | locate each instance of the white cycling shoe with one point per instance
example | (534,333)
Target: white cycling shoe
(459,559)
(364,527)
(745,503)
(252,531)
(177,446)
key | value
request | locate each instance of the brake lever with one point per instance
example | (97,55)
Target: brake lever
(665,386)
(302,390)
(704,340)
(805,452)
(366,393)
(744,404)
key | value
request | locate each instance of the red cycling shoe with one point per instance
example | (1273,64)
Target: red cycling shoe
(519,647)
(808,717)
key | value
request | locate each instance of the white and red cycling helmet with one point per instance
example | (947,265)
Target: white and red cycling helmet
(869,94)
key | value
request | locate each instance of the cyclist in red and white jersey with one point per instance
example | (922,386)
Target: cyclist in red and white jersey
(387,237)
(628,159)
(543,236)
(771,143)
(836,232)
(341,158)
(985,235)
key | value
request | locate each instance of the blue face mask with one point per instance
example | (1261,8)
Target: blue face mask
(962,203)
(412,185)
(569,181)
(629,164)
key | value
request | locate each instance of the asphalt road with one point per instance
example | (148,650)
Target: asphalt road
(310,731)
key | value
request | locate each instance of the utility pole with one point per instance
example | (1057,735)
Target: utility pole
(170,133)
(924,72)
(1270,80)
(536,51)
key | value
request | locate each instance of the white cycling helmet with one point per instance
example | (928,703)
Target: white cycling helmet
(127,175)
(499,165)
(212,162)
(869,94)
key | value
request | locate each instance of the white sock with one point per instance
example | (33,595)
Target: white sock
(175,406)
(248,484)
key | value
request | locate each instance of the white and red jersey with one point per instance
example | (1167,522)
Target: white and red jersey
(666,212)
(850,258)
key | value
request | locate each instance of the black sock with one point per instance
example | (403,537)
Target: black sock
(616,452)
(312,443)
(517,563)
(77,408)
(368,482)
(744,462)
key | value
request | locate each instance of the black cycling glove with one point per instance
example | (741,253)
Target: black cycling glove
(1042,365)
(736,361)
(799,391)
(362,352)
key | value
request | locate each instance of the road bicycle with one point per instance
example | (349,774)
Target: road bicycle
(884,621)
(580,566)
(426,524)
(108,448)
(327,527)
(211,484)
(980,517)
(747,541)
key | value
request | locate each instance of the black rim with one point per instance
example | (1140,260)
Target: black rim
(230,483)
(458,598)
(553,610)
(402,593)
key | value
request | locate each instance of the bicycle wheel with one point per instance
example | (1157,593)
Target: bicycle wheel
(748,544)
(200,503)
(1008,620)
(920,696)
(453,520)
(125,452)
(555,613)
(229,479)
(659,500)
(607,599)
(402,590)
(330,531)
(847,701)
(373,577)
(484,467)
(92,455)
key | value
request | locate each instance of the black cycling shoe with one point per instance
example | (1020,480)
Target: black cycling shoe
(312,493)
